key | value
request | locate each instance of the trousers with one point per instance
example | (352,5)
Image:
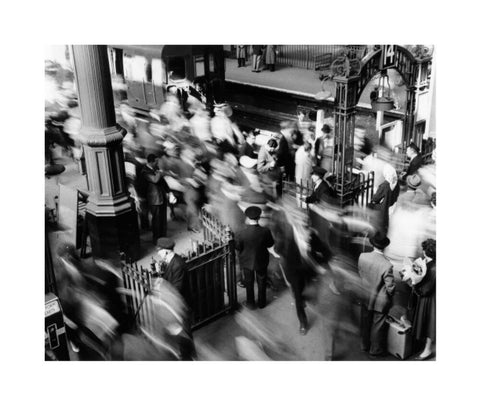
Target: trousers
(159,221)
(297,284)
(261,276)
(256,62)
(374,329)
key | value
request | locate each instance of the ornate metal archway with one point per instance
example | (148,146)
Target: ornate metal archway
(349,87)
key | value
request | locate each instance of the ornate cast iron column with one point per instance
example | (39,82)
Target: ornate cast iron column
(111,216)
(346,100)
(410,111)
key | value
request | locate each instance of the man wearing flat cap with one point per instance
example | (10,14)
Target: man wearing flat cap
(321,187)
(174,266)
(378,286)
(252,243)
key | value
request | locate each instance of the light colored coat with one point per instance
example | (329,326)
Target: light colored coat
(303,165)
(376,273)
(270,55)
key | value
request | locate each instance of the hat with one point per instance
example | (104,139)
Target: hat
(414,181)
(319,171)
(326,128)
(253,212)
(380,241)
(165,243)
(247,162)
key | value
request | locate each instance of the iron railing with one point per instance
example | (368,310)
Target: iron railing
(210,273)
(305,56)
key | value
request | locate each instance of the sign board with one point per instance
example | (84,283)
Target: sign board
(55,333)
(389,56)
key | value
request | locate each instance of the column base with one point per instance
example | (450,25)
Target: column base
(110,235)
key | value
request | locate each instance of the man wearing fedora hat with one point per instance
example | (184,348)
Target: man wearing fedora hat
(252,243)
(414,193)
(378,286)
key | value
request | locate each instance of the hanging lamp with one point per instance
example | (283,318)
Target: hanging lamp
(383,102)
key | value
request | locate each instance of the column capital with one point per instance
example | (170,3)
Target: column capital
(102,136)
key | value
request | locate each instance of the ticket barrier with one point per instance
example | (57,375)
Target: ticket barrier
(56,344)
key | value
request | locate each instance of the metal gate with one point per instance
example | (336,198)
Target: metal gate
(360,190)
(210,272)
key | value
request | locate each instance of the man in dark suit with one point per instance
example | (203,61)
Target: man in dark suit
(320,186)
(378,285)
(252,243)
(416,160)
(157,190)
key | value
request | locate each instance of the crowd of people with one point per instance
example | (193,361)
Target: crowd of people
(189,156)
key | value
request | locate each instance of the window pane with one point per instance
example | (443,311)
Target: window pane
(199,66)
(138,68)
(158,71)
(211,63)
(127,65)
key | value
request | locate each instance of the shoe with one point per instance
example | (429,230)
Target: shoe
(421,358)
(303,330)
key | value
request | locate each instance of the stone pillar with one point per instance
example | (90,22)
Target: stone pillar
(111,214)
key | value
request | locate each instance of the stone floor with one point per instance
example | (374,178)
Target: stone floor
(333,320)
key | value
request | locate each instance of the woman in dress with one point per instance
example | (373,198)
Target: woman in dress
(424,319)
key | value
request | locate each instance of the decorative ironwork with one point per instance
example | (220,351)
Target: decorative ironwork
(345,66)
(210,273)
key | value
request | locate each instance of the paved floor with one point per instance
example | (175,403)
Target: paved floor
(285,78)
(333,321)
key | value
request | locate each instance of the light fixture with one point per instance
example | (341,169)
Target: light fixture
(383,101)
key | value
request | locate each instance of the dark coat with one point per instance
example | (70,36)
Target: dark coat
(318,192)
(383,199)
(257,49)
(248,150)
(157,187)
(285,245)
(252,243)
(376,273)
(175,274)
(424,320)
(415,164)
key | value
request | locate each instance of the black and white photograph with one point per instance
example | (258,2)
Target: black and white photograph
(240,202)
(237,202)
